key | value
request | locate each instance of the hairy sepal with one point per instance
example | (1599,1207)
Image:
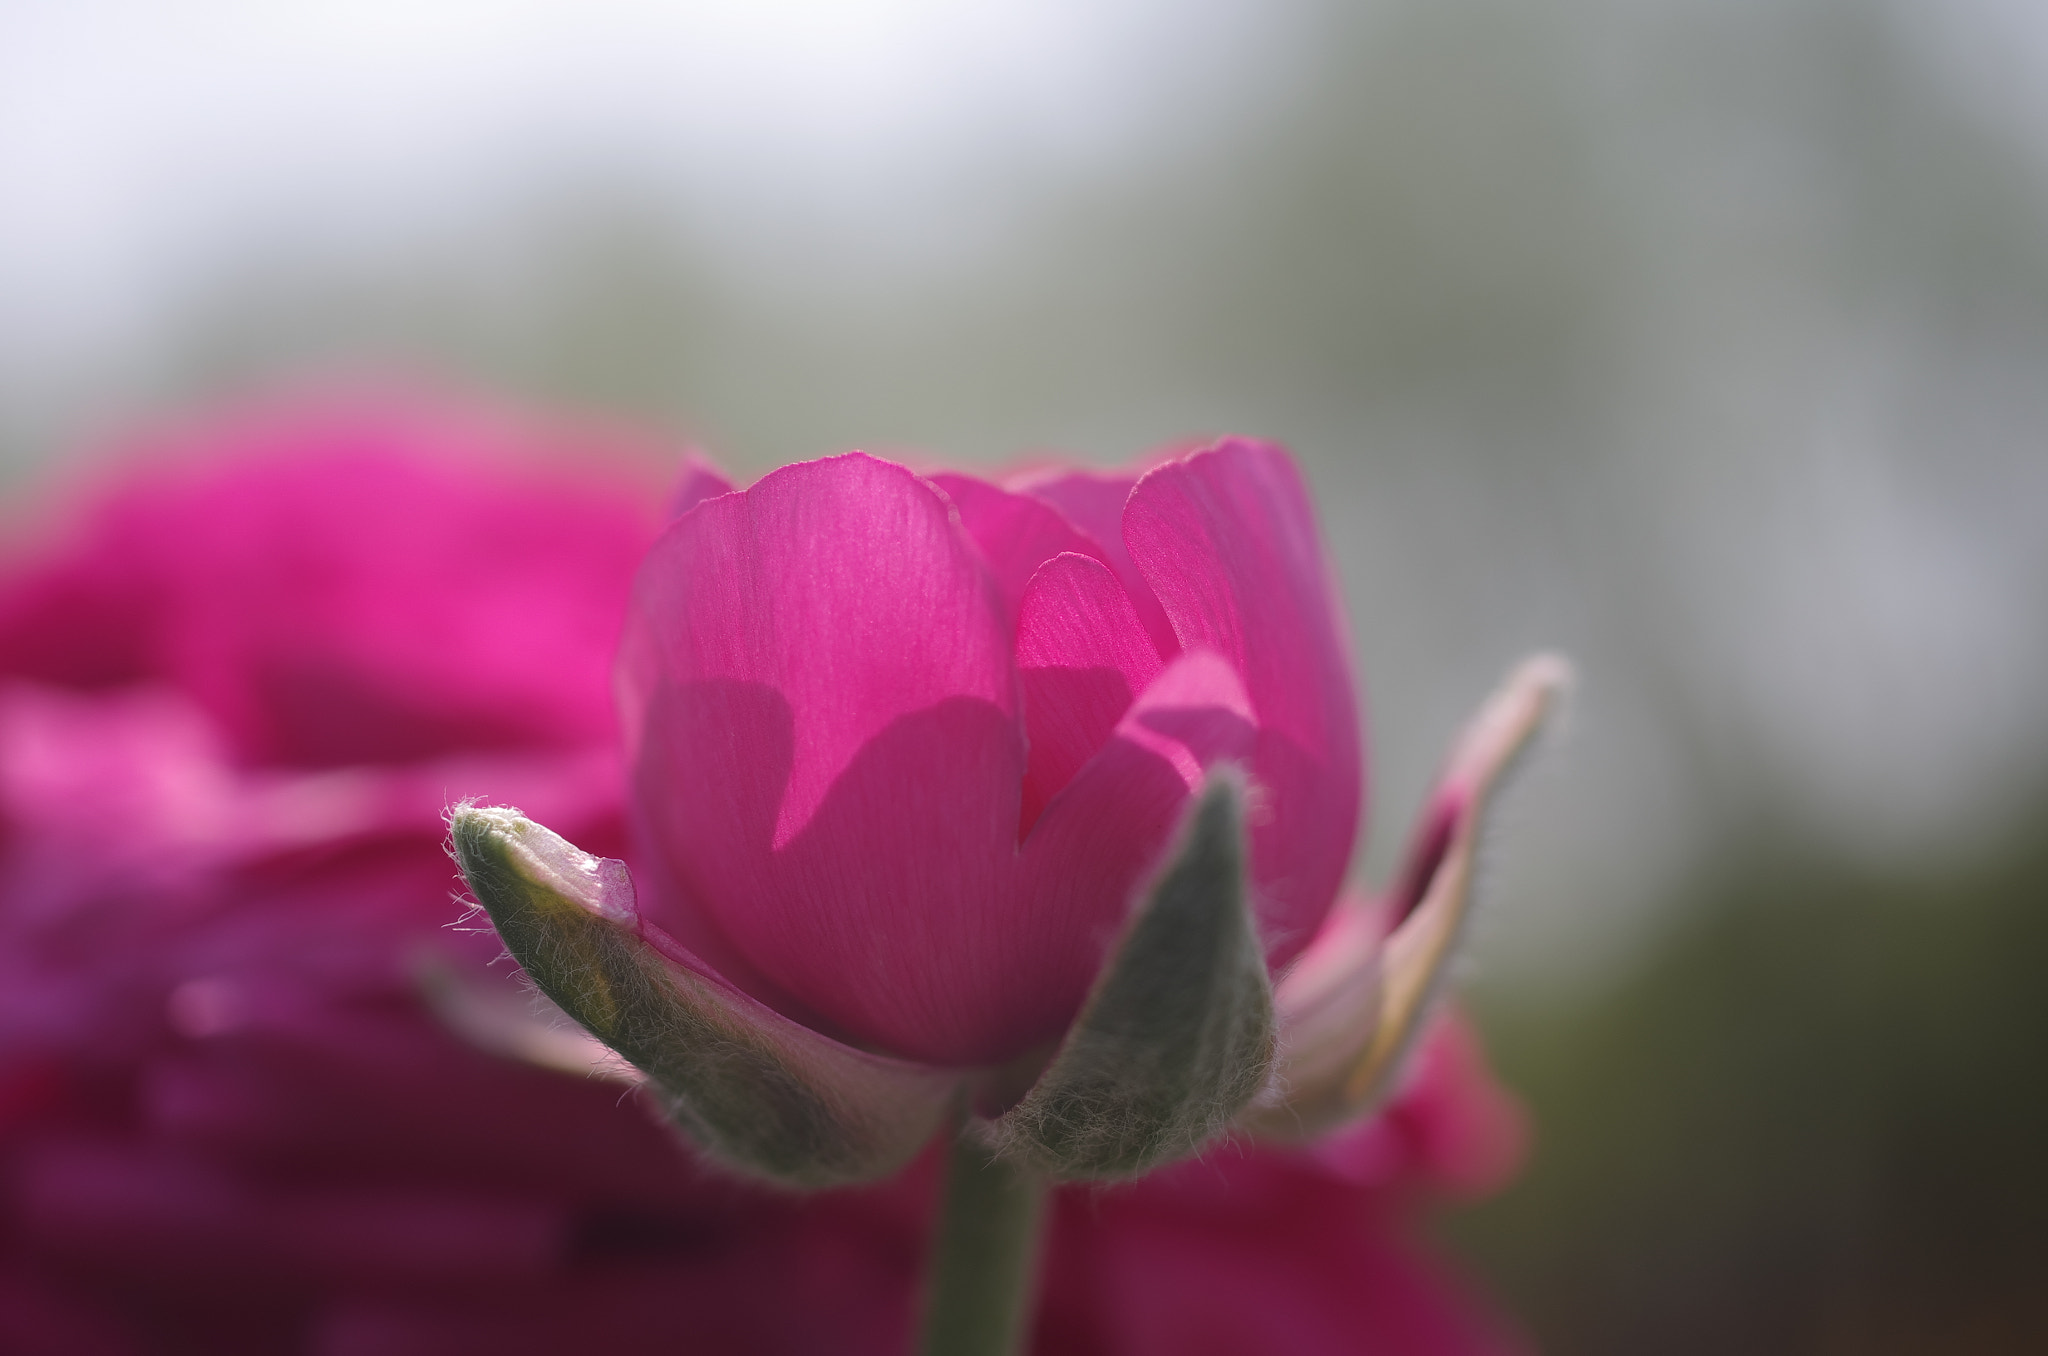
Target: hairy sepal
(1177,1036)
(757,1091)
(1354,1005)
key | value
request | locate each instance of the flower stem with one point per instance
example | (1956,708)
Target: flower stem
(985,1263)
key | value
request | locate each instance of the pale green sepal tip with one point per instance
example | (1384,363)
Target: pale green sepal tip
(759,1092)
(1177,1036)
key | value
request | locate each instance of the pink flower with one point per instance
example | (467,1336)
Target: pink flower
(906,748)
(237,686)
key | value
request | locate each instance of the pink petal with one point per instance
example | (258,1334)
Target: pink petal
(818,688)
(1094,502)
(1308,1275)
(1100,837)
(1081,656)
(1228,542)
(1015,532)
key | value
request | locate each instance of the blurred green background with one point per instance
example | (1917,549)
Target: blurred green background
(1811,1121)
(1706,340)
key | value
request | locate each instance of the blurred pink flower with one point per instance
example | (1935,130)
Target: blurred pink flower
(239,683)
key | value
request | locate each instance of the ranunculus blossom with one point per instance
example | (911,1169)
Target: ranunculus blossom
(1035,794)
(241,677)
(906,747)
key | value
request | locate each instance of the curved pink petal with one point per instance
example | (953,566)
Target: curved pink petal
(1094,502)
(1082,655)
(1227,540)
(1016,533)
(1098,839)
(818,687)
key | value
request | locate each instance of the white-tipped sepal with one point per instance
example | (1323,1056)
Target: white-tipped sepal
(756,1090)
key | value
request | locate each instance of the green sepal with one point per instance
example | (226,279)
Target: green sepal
(757,1091)
(1177,1036)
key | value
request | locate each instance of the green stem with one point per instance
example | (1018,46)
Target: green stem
(985,1261)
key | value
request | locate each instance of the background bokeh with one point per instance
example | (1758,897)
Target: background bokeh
(1706,340)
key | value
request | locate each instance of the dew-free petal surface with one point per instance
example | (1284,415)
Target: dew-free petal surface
(1101,837)
(1082,655)
(1016,533)
(829,755)
(1227,540)
(1094,502)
